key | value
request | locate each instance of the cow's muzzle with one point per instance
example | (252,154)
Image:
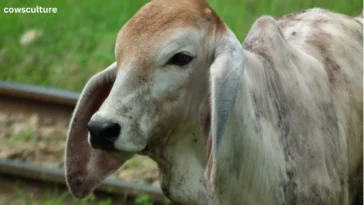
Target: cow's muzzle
(103,135)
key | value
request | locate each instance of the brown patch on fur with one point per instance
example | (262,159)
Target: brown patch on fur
(289,19)
(320,40)
(292,16)
(155,22)
(301,16)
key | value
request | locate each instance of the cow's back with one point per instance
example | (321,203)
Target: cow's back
(336,41)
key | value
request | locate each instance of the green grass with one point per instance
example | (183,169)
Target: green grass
(25,136)
(79,39)
(51,194)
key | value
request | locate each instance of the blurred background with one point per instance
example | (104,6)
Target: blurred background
(63,50)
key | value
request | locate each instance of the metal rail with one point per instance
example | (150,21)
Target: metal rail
(47,174)
(20,96)
(31,92)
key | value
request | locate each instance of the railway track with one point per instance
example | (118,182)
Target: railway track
(56,104)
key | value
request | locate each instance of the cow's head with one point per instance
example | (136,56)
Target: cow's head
(171,88)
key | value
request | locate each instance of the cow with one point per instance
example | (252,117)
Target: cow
(276,120)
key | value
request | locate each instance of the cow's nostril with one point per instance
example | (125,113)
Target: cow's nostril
(110,130)
(103,134)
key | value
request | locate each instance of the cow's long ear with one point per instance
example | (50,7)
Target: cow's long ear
(225,74)
(87,167)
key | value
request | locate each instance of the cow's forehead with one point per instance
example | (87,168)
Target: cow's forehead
(156,21)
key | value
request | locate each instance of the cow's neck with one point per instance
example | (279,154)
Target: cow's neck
(181,165)
(252,167)
(254,164)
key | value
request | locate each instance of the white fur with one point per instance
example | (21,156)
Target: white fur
(249,165)
(164,80)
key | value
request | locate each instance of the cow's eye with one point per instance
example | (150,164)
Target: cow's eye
(180,59)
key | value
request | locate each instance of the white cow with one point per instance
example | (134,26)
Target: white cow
(277,120)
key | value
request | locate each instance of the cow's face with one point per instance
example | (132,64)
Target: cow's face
(160,82)
(172,63)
